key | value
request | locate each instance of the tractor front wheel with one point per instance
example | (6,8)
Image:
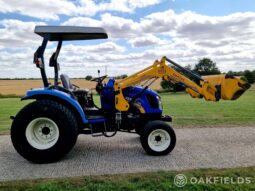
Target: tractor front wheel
(44,131)
(158,138)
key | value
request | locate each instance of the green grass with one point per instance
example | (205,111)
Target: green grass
(8,107)
(140,182)
(186,112)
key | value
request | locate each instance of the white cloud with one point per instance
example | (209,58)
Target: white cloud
(52,9)
(159,22)
(146,40)
(197,27)
(46,9)
(140,3)
(90,8)
(117,27)
(16,33)
(99,48)
(185,37)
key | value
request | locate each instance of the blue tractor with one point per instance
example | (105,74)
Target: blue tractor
(47,129)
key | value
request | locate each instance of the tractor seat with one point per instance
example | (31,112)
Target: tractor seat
(68,85)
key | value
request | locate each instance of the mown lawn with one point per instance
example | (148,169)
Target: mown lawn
(186,112)
(151,181)
(8,107)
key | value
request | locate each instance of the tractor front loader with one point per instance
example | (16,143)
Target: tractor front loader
(47,128)
(211,88)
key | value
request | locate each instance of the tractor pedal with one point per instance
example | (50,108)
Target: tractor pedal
(95,134)
(85,131)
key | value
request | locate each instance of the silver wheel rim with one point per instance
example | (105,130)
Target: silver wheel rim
(42,133)
(159,140)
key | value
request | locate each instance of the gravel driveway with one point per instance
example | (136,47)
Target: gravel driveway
(196,148)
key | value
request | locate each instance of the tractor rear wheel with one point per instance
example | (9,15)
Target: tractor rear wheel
(158,138)
(44,131)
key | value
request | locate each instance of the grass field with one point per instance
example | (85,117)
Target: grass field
(186,112)
(141,181)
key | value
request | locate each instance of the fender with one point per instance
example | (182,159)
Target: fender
(43,92)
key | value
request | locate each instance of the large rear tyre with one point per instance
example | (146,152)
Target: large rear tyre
(44,131)
(158,138)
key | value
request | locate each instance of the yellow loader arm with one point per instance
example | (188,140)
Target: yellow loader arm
(211,88)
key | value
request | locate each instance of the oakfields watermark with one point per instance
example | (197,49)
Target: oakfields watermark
(180,180)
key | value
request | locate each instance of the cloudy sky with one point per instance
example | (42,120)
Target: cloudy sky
(140,31)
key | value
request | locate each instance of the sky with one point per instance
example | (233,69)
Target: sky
(140,32)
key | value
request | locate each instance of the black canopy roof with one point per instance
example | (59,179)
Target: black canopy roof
(57,33)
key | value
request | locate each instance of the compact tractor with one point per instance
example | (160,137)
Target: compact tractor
(47,128)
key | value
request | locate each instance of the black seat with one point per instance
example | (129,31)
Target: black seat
(82,95)
(66,82)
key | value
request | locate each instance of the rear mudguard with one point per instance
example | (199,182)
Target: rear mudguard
(57,95)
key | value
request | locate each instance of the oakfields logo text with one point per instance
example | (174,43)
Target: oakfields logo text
(181,180)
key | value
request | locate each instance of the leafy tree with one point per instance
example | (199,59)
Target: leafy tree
(177,87)
(249,76)
(206,66)
(88,77)
(121,76)
(244,78)
(166,85)
(232,73)
(189,67)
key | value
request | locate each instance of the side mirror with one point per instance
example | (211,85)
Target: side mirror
(38,60)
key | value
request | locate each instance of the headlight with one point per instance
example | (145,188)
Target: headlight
(160,106)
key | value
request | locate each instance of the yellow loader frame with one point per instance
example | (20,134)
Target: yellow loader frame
(211,88)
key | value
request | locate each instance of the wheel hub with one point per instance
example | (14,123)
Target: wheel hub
(42,133)
(45,130)
(159,140)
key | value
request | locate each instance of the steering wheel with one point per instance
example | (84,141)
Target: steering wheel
(99,79)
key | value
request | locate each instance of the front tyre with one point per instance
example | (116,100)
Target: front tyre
(44,131)
(158,138)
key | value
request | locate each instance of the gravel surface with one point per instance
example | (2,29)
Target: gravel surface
(195,148)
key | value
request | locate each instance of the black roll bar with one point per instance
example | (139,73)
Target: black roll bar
(54,62)
(39,61)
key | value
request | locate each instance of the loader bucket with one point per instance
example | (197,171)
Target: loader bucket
(231,87)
